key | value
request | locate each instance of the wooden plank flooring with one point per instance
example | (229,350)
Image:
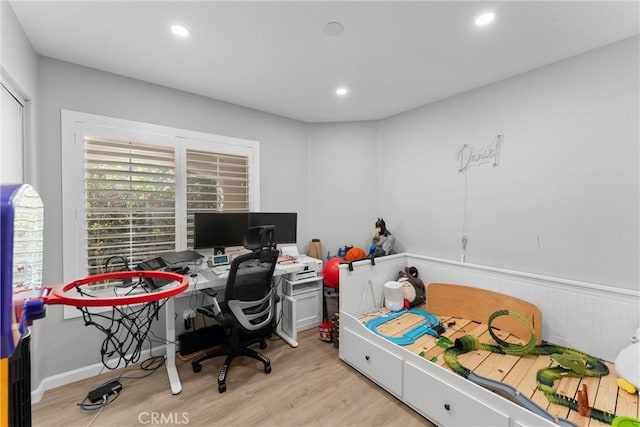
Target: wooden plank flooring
(519,372)
(309,386)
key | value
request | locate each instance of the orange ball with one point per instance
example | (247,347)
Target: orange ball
(355,254)
(331,272)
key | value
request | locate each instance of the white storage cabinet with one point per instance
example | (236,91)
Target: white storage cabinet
(301,307)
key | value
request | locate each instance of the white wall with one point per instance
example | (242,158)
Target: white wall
(18,69)
(11,138)
(343,191)
(283,147)
(563,200)
(17,57)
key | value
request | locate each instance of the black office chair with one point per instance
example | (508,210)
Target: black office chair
(249,305)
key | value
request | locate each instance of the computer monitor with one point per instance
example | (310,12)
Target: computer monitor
(219,229)
(286,224)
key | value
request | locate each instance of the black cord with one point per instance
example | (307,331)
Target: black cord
(149,366)
(277,283)
(126,330)
(160,340)
(95,406)
(114,260)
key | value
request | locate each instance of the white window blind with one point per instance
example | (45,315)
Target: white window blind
(216,182)
(130,200)
(128,190)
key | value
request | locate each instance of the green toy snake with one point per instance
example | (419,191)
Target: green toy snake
(571,363)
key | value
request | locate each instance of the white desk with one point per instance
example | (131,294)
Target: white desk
(206,279)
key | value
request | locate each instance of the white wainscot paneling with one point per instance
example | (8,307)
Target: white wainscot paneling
(596,319)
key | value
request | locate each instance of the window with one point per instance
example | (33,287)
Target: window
(130,188)
(215,183)
(130,195)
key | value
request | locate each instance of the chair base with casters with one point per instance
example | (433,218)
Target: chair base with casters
(235,345)
(247,311)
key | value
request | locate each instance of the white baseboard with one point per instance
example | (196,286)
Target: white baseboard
(85,372)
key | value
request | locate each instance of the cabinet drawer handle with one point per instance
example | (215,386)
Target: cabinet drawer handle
(446,406)
(366,357)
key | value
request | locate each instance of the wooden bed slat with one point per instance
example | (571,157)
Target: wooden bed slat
(478,304)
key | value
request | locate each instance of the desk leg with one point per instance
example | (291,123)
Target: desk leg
(286,338)
(286,324)
(170,355)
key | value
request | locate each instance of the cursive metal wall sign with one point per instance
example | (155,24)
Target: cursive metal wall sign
(468,156)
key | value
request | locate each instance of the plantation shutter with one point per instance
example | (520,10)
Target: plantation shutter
(215,183)
(130,191)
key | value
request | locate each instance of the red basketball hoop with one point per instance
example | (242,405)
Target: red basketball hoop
(135,298)
(86,298)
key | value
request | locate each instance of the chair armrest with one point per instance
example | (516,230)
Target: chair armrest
(215,306)
(209,292)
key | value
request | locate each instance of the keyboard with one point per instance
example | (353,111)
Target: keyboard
(221,269)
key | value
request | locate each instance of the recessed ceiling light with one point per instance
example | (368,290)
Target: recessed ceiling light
(341,91)
(179,30)
(485,18)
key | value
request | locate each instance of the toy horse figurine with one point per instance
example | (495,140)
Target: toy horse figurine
(382,242)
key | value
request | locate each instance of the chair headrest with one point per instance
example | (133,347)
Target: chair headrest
(259,237)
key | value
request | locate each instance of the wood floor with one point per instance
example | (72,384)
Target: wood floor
(309,386)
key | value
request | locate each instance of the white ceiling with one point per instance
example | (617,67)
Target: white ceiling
(275,57)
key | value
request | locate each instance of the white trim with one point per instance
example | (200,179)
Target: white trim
(12,86)
(79,374)
(573,283)
(181,197)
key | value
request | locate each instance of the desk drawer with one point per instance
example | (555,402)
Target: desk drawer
(296,287)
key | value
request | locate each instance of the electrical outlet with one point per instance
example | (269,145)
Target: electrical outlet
(188,314)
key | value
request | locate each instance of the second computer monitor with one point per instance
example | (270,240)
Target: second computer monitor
(213,230)
(286,224)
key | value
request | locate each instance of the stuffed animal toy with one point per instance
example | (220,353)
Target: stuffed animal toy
(412,287)
(383,242)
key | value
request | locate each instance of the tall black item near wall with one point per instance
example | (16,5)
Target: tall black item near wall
(20,384)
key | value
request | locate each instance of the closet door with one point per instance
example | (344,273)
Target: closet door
(11,139)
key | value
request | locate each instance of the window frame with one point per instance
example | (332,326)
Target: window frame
(76,126)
